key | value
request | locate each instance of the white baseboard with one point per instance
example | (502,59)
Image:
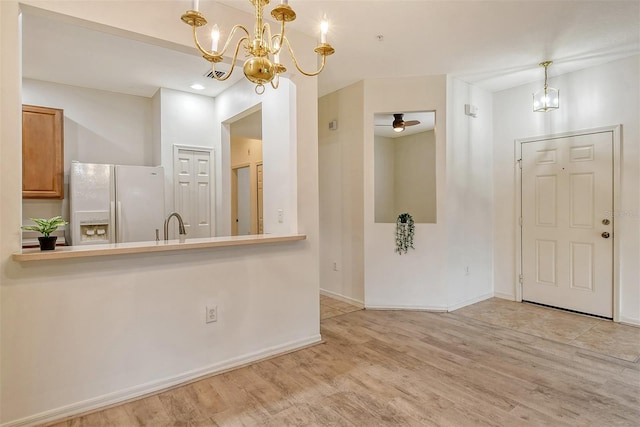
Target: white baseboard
(342,298)
(159,385)
(510,297)
(407,307)
(630,321)
(470,301)
(437,309)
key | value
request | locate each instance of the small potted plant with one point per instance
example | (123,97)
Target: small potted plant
(46,227)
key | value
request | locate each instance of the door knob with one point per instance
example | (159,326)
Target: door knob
(605,235)
(606,221)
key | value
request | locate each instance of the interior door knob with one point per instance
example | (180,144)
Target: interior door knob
(605,235)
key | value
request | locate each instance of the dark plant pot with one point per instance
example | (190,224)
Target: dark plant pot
(47,243)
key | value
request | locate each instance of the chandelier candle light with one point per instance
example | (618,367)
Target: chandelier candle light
(547,98)
(263,49)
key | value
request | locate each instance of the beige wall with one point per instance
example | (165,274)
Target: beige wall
(375,275)
(415,183)
(469,195)
(405,171)
(451,265)
(341,193)
(80,334)
(416,280)
(245,151)
(384,166)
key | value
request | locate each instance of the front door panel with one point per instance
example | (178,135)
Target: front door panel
(567,194)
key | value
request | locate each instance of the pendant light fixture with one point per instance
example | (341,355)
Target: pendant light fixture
(547,98)
(262,49)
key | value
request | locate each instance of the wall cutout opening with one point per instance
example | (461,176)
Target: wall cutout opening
(405,166)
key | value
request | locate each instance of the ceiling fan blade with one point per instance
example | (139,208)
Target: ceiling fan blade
(412,122)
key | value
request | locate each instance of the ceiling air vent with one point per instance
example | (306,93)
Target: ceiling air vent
(219,74)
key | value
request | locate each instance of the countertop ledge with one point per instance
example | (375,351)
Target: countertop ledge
(69,252)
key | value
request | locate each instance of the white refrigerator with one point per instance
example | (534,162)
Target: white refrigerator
(115,203)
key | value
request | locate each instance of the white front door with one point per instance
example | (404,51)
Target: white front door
(192,182)
(567,223)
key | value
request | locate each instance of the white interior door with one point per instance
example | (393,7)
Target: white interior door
(192,184)
(567,223)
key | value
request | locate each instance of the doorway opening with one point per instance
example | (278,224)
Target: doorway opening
(246,175)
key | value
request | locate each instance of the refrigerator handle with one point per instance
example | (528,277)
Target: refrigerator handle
(120,222)
(112,223)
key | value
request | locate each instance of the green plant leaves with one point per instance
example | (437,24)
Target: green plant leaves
(45,226)
(405,229)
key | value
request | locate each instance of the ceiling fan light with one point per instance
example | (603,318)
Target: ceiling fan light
(399,128)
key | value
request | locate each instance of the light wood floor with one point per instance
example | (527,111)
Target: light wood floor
(331,307)
(388,368)
(590,333)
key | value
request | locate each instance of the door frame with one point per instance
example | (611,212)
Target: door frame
(617,157)
(234,195)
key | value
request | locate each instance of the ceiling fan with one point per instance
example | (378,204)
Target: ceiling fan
(399,124)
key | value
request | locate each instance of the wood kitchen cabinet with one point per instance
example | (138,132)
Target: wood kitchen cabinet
(42,153)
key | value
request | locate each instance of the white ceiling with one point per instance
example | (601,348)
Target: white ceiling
(61,51)
(494,44)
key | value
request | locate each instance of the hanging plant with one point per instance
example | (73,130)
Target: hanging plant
(404,233)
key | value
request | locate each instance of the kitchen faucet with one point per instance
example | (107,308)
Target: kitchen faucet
(181,229)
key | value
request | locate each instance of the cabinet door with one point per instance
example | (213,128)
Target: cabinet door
(42,153)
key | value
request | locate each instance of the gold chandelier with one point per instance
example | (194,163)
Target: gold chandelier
(263,49)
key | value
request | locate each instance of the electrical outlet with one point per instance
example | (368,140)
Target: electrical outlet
(466,271)
(335,266)
(212,313)
(280,216)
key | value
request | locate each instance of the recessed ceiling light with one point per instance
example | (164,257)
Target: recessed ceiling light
(197,86)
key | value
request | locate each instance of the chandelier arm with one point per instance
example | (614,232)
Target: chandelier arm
(277,82)
(198,45)
(231,34)
(207,53)
(295,61)
(233,62)
(226,45)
